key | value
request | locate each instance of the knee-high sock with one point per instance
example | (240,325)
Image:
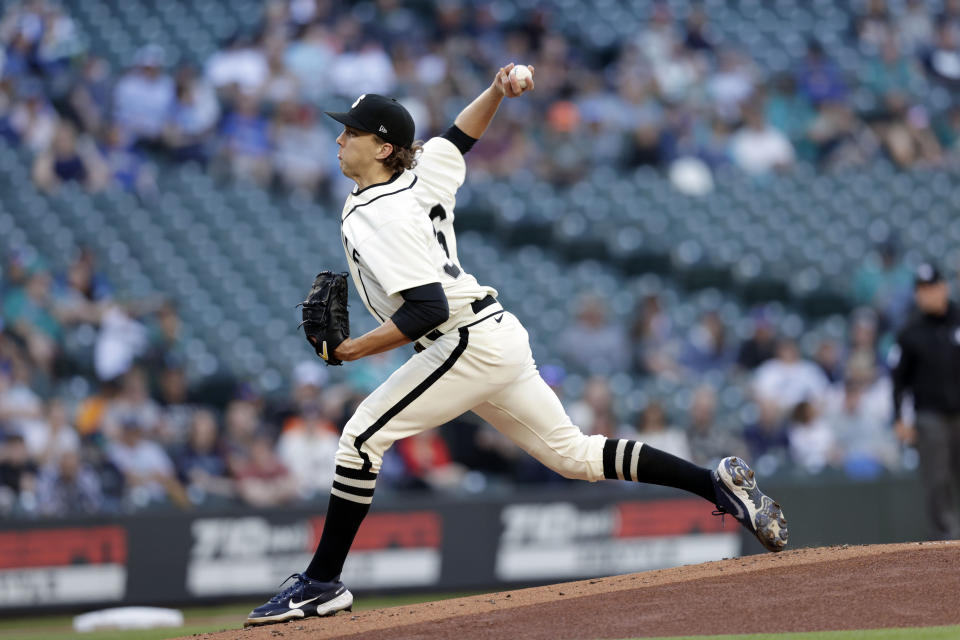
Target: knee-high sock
(632,460)
(350,500)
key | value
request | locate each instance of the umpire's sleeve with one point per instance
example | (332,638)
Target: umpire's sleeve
(901,363)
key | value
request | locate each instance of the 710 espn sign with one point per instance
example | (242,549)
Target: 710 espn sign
(542,541)
(63,566)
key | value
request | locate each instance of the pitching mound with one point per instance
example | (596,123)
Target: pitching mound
(903,585)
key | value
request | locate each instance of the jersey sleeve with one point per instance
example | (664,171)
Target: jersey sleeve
(399,257)
(441,169)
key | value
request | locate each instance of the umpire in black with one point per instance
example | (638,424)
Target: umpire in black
(926,365)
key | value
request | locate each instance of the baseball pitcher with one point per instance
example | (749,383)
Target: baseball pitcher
(472,354)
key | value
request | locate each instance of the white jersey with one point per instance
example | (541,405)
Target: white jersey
(399,234)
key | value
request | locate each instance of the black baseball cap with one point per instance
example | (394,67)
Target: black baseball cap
(381,115)
(926,273)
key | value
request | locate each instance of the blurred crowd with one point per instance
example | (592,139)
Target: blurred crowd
(675,92)
(96,411)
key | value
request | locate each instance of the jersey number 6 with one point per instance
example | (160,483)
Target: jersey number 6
(438,213)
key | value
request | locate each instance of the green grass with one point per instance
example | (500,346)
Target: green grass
(196,620)
(913,633)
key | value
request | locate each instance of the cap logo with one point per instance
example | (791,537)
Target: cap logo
(383,129)
(354,105)
(925,271)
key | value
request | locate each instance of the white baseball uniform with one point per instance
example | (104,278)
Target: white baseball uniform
(398,235)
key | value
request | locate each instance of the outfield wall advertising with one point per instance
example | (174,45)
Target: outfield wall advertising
(431,543)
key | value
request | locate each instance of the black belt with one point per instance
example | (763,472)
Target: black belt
(476,305)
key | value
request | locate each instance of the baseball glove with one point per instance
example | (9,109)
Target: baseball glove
(326,320)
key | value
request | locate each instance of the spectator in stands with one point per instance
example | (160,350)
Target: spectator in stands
(132,405)
(310,59)
(148,471)
(366,68)
(874,27)
(791,112)
(657,41)
(68,486)
(594,412)
(95,453)
(58,45)
(427,462)
(698,37)
(564,154)
(282,85)
(758,148)
(864,336)
(654,349)
(594,333)
(731,84)
(837,138)
(68,160)
(788,379)
(193,117)
(52,437)
(81,294)
(762,343)
(947,128)
(167,343)
(653,429)
(262,480)
(307,448)
(829,358)
(951,16)
(915,27)
(859,412)
(176,410)
(766,438)
(239,67)
(245,141)
(374,370)
(126,166)
(819,78)
(296,138)
(90,96)
(33,119)
(709,441)
(121,340)
(21,409)
(18,476)
(891,71)
(884,283)
(906,132)
(200,464)
(28,314)
(942,59)
(242,420)
(708,348)
(143,96)
(813,445)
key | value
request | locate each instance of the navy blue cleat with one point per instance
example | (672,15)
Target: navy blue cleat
(305,597)
(738,495)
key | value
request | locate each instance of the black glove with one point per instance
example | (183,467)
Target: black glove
(326,320)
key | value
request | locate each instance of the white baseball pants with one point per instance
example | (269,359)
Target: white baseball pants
(486,368)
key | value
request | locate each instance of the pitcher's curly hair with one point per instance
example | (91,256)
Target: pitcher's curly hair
(401,158)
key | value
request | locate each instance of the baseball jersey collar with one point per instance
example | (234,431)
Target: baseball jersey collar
(392,180)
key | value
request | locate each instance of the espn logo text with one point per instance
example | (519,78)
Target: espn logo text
(252,555)
(561,540)
(63,566)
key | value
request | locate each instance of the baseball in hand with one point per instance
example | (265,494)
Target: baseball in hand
(522,73)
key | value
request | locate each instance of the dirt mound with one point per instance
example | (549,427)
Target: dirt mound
(903,585)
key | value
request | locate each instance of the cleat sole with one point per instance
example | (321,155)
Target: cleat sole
(768,522)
